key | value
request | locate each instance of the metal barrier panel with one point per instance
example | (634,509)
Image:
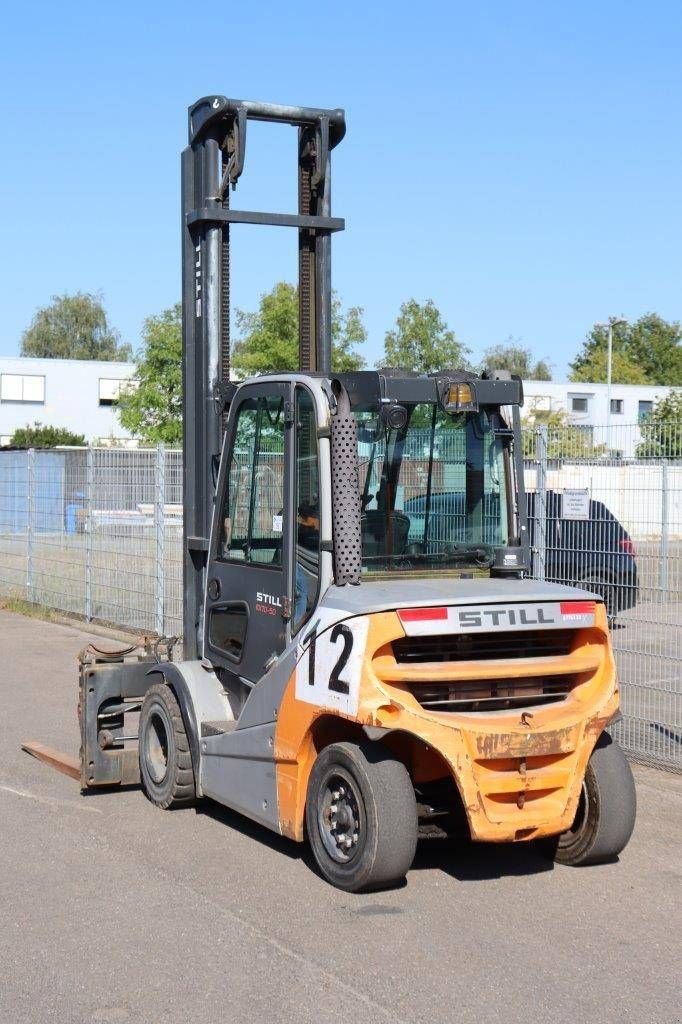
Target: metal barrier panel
(13,524)
(121,529)
(98,533)
(56,525)
(173,550)
(605,513)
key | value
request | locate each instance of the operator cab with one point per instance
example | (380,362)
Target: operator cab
(436,482)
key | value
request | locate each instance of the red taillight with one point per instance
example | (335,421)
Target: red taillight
(577,607)
(422,614)
(627,547)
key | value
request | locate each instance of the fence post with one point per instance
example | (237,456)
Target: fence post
(160,528)
(663,548)
(89,494)
(541,501)
(30,519)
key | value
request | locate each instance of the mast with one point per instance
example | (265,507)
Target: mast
(212,164)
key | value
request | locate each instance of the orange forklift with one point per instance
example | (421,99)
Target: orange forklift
(365,657)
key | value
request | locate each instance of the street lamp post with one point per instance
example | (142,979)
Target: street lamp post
(614,321)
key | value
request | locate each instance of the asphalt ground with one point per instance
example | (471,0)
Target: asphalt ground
(111,910)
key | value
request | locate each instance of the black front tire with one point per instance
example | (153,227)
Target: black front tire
(166,769)
(606,813)
(361,817)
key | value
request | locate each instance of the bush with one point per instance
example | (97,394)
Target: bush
(39,436)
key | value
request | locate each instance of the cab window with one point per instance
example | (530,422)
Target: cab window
(252,509)
(307,562)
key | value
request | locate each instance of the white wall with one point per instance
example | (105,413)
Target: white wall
(71,396)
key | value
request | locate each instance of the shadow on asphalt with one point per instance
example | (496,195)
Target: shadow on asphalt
(251,829)
(475,862)
(462,859)
(100,791)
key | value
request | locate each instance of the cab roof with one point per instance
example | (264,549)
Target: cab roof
(369,387)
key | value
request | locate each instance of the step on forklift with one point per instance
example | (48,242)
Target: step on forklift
(365,658)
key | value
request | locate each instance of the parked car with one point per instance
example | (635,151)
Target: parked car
(596,553)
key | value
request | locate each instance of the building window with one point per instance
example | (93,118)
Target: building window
(20,387)
(644,410)
(110,390)
(579,403)
(617,406)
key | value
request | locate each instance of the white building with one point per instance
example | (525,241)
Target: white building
(78,394)
(586,406)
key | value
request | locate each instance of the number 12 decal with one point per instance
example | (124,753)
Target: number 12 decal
(329,672)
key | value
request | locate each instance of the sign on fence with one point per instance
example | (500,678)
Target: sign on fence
(576,504)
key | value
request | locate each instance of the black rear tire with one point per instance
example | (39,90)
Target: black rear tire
(361,817)
(165,760)
(606,813)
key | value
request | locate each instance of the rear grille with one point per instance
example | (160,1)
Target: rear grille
(492,694)
(531,643)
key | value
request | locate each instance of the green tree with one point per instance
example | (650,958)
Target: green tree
(40,436)
(518,360)
(269,336)
(662,430)
(655,344)
(624,370)
(422,341)
(564,440)
(648,351)
(348,331)
(152,411)
(73,327)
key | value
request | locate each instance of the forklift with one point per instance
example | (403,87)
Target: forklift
(365,657)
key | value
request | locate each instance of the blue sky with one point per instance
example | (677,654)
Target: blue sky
(518,163)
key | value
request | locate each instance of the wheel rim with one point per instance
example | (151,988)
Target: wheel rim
(156,748)
(340,817)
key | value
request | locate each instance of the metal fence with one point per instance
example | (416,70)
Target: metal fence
(98,532)
(605,513)
(95,531)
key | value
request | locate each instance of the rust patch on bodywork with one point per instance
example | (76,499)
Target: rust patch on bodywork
(510,744)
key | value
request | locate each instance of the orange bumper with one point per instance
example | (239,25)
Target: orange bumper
(519,773)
